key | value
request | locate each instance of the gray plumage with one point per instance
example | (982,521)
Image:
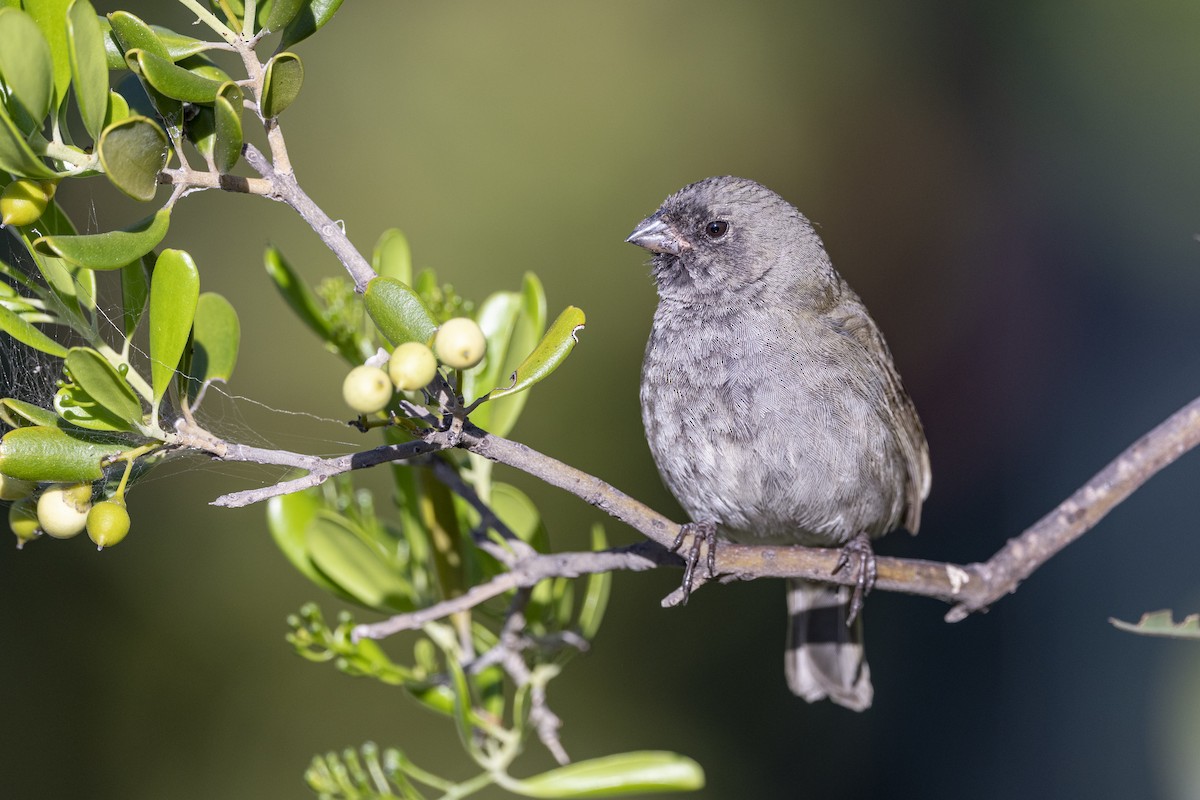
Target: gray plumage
(772,406)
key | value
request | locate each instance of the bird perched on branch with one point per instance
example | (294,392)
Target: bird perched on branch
(773,409)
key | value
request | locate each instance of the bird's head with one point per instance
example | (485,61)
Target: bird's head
(723,235)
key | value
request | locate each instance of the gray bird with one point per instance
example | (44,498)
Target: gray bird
(773,409)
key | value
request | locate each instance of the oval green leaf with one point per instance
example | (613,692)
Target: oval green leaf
(392,257)
(51,17)
(282,13)
(92,373)
(174,292)
(281,84)
(132,33)
(16,156)
(288,518)
(75,286)
(135,289)
(178,45)
(599,586)
(312,17)
(170,80)
(23,332)
(612,776)
(398,312)
(216,335)
(296,293)
(228,131)
(111,250)
(118,108)
(355,566)
(133,152)
(40,453)
(26,68)
(89,68)
(1162,623)
(550,353)
(17,413)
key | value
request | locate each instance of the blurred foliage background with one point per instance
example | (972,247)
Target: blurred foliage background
(1013,188)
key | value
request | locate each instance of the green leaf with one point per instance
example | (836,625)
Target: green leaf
(117,110)
(281,83)
(1162,623)
(398,312)
(599,586)
(40,453)
(101,385)
(51,17)
(17,413)
(147,101)
(282,13)
(75,286)
(170,80)
(512,323)
(288,518)
(392,257)
(228,130)
(23,332)
(355,566)
(178,45)
(520,514)
(611,776)
(312,17)
(89,69)
(216,336)
(16,156)
(550,353)
(174,292)
(133,152)
(132,33)
(296,293)
(110,250)
(26,68)
(135,290)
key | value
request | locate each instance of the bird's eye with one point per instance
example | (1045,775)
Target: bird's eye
(716,229)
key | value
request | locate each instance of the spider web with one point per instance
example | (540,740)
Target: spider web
(32,376)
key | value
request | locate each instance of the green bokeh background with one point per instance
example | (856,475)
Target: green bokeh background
(1013,188)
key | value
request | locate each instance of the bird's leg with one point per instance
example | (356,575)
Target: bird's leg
(858,548)
(702,533)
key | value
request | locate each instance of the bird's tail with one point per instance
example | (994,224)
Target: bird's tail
(824,656)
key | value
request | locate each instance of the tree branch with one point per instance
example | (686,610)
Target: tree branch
(525,573)
(971,587)
(318,470)
(286,189)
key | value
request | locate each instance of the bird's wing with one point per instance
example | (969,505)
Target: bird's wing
(853,321)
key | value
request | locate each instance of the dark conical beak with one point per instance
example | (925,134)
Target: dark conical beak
(656,236)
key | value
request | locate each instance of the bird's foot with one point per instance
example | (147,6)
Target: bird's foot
(859,549)
(703,534)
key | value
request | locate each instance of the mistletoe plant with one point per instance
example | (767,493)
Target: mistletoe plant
(422,358)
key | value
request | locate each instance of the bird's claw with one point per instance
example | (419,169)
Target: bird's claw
(858,548)
(703,534)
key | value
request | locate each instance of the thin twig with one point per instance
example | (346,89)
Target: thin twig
(286,189)
(528,572)
(449,476)
(318,470)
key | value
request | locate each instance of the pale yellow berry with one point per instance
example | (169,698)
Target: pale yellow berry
(412,366)
(459,343)
(23,520)
(62,510)
(107,523)
(367,389)
(22,202)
